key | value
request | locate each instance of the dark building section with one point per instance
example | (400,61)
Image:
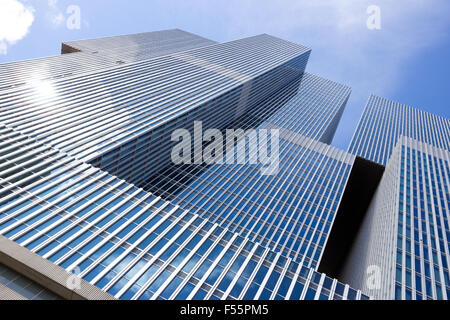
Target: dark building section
(361,186)
(65,48)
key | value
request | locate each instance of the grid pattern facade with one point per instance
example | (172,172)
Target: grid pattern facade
(87,182)
(79,138)
(131,243)
(417,235)
(140,46)
(91,55)
(292,211)
(121,119)
(312,110)
(422,255)
(384,121)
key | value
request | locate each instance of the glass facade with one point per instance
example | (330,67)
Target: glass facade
(88,183)
(406,230)
(58,137)
(132,244)
(140,46)
(384,121)
(292,211)
(121,119)
(422,256)
(87,56)
(406,233)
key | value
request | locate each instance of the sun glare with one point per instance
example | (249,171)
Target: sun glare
(43,88)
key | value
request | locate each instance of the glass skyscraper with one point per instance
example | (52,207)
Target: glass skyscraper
(384,121)
(90,55)
(402,249)
(292,211)
(132,244)
(88,188)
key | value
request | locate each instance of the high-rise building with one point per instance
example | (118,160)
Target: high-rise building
(78,144)
(402,248)
(121,119)
(293,210)
(384,121)
(93,206)
(130,243)
(95,54)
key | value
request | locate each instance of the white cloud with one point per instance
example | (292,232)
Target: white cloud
(15,22)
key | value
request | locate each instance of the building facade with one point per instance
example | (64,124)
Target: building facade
(77,147)
(405,235)
(384,121)
(293,210)
(402,249)
(132,244)
(92,205)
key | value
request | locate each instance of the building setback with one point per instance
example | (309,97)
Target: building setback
(405,234)
(121,119)
(404,237)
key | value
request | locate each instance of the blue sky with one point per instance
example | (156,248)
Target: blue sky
(407,60)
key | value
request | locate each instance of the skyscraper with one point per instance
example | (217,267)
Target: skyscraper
(402,249)
(291,211)
(93,205)
(121,118)
(96,54)
(131,243)
(384,121)
(64,137)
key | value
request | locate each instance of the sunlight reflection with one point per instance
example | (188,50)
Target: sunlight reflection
(43,88)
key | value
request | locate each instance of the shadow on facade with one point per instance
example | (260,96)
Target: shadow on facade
(361,186)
